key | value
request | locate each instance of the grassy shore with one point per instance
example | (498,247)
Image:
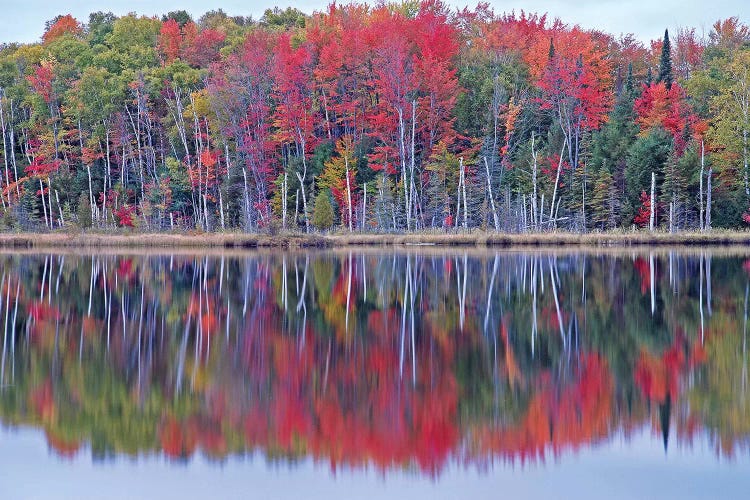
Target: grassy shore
(296,240)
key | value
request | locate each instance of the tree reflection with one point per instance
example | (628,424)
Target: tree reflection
(397,360)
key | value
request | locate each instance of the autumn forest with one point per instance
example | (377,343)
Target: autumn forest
(398,117)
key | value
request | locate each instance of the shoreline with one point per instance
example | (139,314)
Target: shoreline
(474,239)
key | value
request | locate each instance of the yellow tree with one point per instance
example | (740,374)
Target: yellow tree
(339,176)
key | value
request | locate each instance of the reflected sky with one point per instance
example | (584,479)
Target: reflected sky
(638,468)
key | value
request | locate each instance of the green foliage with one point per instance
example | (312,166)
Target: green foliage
(99,26)
(283,19)
(323,216)
(8,221)
(83,212)
(181,16)
(665,62)
(648,154)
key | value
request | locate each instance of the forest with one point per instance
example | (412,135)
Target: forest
(397,117)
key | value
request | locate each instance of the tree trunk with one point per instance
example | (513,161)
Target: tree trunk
(13,151)
(557,181)
(700,195)
(221,209)
(652,214)
(283,200)
(534,209)
(91,192)
(671,212)
(492,199)
(59,209)
(463,188)
(412,157)
(364,207)
(247,200)
(49,199)
(402,148)
(44,207)
(304,202)
(5,148)
(708,200)
(348,191)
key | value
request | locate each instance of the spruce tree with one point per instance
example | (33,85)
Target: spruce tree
(665,63)
(629,85)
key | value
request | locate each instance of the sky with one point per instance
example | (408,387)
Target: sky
(23,20)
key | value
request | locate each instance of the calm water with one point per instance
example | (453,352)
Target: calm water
(375,374)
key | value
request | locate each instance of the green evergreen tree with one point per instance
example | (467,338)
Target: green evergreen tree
(629,83)
(609,155)
(602,205)
(665,63)
(648,154)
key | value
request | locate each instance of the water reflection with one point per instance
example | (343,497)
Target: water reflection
(410,360)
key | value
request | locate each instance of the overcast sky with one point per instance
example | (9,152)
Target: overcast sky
(23,20)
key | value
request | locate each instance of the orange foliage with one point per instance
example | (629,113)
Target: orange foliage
(66,24)
(62,446)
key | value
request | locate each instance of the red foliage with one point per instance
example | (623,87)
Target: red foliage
(660,377)
(687,52)
(170,39)
(341,40)
(41,80)
(294,116)
(66,24)
(551,170)
(63,447)
(643,268)
(42,401)
(89,156)
(643,217)
(204,48)
(557,417)
(176,441)
(668,108)
(125,215)
(40,167)
(572,90)
(197,48)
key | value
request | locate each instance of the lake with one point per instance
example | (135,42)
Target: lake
(424,373)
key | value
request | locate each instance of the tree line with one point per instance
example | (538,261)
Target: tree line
(401,117)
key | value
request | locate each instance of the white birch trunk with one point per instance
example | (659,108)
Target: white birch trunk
(652,214)
(492,199)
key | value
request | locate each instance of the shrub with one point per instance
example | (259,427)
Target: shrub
(323,211)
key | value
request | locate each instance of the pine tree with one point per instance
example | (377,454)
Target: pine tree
(665,63)
(602,203)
